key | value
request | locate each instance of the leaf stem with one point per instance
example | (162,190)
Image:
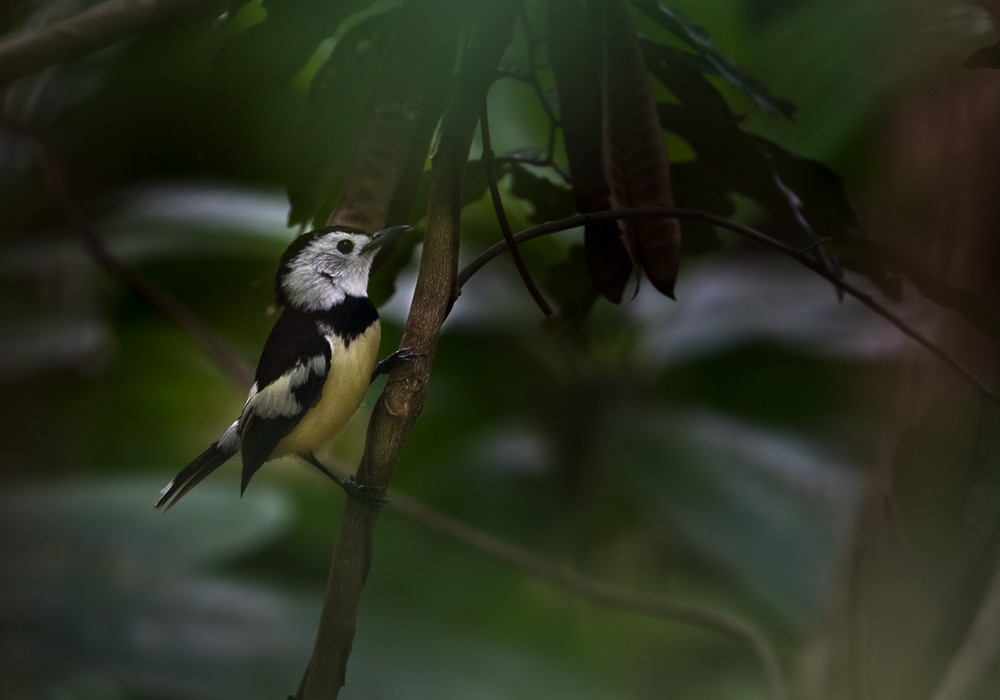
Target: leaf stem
(489,166)
(800,257)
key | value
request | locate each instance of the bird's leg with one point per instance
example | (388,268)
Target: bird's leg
(395,360)
(353,489)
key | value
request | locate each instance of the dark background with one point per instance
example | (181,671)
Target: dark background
(728,449)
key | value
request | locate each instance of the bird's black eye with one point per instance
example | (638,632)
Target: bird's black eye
(345,246)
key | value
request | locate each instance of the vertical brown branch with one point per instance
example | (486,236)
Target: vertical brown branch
(403,397)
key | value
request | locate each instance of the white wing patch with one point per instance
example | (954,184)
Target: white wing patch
(230,438)
(253,392)
(277,399)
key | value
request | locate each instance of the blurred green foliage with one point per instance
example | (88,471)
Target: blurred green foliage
(711,450)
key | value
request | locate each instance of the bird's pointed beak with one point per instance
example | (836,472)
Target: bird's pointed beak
(386,235)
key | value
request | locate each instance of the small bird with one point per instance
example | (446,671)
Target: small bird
(317,362)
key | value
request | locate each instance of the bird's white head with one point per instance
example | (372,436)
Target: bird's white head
(322,267)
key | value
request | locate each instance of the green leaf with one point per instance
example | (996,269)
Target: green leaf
(739,162)
(719,483)
(549,200)
(823,205)
(571,289)
(96,609)
(431,661)
(270,53)
(709,60)
(101,596)
(336,108)
(707,123)
(38,344)
(411,86)
(114,519)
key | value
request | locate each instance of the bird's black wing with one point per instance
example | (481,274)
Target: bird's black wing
(290,377)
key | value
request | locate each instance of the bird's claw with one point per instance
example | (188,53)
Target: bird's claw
(395,360)
(364,492)
(368,493)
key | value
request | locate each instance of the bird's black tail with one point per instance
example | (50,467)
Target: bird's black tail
(191,475)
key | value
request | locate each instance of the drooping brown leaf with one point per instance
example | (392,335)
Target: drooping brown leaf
(637,168)
(575,30)
(406,103)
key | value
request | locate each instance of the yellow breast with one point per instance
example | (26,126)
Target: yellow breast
(345,387)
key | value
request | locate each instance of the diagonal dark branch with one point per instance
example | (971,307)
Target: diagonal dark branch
(89,31)
(972,307)
(159,298)
(599,591)
(802,258)
(491,180)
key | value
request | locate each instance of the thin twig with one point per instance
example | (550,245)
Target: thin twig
(508,235)
(93,29)
(533,44)
(818,243)
(748,232)
(554,121)
(599,591)
(159,298)
(530,78)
